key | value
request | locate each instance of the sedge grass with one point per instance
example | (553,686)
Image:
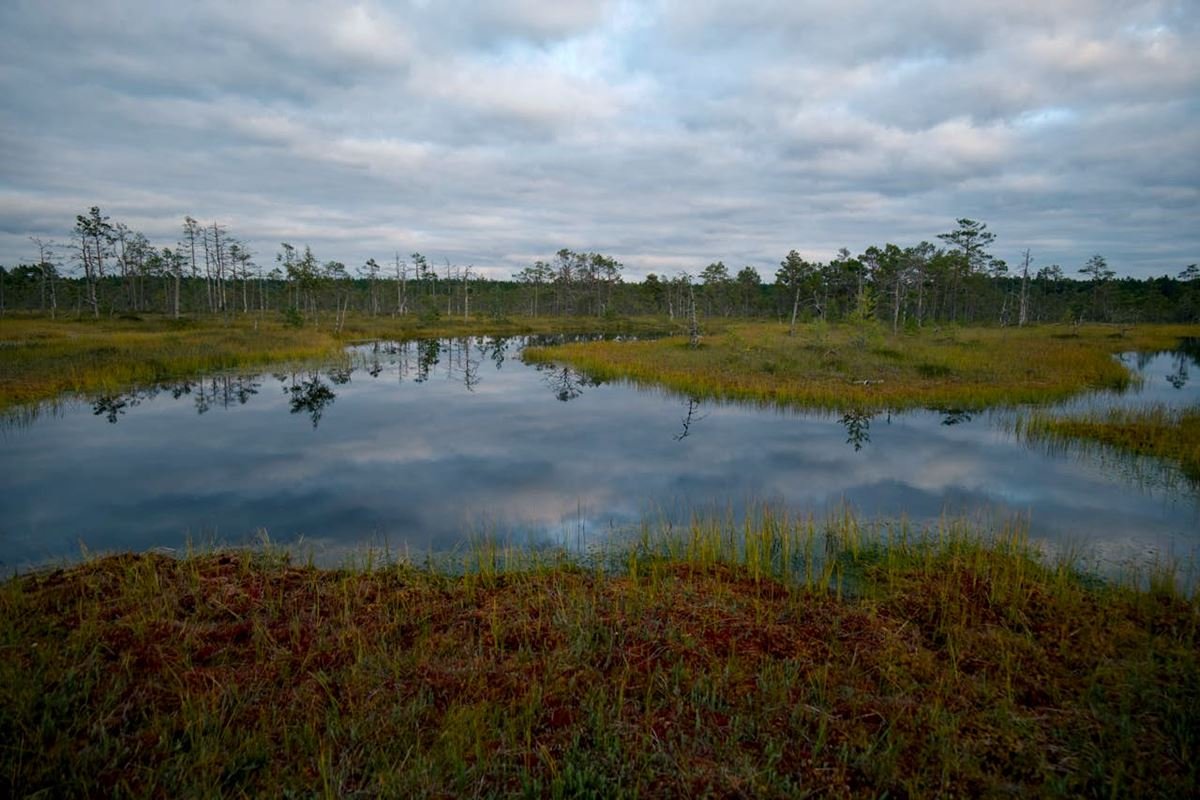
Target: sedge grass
(851,367)
(775,656)
(1159,431)
(41,359)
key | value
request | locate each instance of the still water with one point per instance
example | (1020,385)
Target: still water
(420,445)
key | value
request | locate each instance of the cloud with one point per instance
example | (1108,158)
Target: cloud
(668,133)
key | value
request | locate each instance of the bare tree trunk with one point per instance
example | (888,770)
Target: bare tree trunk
(896,304)
(795,310)
(466,293)
(1023,315)
(53,296)
(47,270)
(920,296)
(208,271)
(340,318)
(401,288)
(189,229)
(693,323)
(90,270)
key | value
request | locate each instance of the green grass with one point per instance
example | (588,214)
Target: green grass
(843,367)
(41,359)
(771,657)
(1169,434)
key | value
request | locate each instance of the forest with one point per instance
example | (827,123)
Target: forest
(107,269)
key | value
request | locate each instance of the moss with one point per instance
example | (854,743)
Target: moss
(703,665)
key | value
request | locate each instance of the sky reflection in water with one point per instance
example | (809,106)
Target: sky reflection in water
(423,443)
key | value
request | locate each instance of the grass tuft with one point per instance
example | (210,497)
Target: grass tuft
(770,656)
(1158,431)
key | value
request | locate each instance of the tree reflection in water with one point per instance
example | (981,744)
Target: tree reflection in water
(693,405)
(566,383)
(219,390)
(112,406)
(954,416)
(1179,377)
(496,349)
(858,427)
(310,395)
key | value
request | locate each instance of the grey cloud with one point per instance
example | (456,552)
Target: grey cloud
(668,133)
(497,21)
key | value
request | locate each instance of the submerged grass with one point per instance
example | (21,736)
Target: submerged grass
(41,359)
(767,657)
(843,367)
(1159,431)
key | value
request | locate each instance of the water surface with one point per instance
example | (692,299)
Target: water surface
(422,444)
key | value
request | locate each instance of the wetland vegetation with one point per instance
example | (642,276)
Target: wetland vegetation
(765,655)
(859,366)
(771,658)
(1165,433)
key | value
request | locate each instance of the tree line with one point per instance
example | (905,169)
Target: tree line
(106,268)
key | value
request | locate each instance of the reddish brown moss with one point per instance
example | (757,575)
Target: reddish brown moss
(229,675)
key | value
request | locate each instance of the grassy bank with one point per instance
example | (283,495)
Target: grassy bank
(713,661)
(843,367)
(1169,434)
(822,366)
(41,359)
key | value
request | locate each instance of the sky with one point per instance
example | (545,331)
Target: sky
(669,134)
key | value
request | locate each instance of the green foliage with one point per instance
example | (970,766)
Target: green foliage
(292,318)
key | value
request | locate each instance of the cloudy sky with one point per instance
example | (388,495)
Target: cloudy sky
(668,133)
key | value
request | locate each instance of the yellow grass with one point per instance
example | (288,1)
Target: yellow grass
(41,359)
(840,367)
